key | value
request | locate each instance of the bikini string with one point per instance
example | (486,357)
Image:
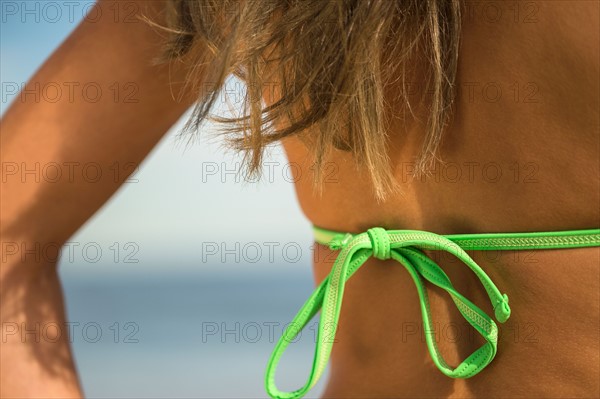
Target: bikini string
(406,248)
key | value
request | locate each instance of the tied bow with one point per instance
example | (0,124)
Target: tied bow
(404,246)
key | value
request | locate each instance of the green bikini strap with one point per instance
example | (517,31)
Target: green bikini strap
(496,241)
(405,246)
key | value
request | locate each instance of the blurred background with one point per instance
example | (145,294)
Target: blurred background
(182,283)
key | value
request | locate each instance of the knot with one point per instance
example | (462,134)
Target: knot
(380,242)
(502,310)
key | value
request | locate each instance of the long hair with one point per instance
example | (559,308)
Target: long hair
(329,61)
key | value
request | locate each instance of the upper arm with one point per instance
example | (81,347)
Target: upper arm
(62,159)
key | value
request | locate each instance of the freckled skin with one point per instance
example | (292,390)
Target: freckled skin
(522,154)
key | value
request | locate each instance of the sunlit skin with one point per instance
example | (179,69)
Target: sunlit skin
(550,129)
(541,133)
(107,131)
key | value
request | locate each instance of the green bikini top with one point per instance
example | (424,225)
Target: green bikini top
(405,246)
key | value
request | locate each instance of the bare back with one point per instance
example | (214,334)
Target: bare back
(521,154)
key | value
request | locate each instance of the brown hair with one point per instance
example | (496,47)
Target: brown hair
(331,59)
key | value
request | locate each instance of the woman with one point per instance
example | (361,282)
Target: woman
(442,116)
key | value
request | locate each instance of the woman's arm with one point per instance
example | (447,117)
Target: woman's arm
(94,141)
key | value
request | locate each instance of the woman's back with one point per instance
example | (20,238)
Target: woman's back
(521,154)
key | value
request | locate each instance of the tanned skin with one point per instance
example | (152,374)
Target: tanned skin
(528,109)
(522,154)
(108,132)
